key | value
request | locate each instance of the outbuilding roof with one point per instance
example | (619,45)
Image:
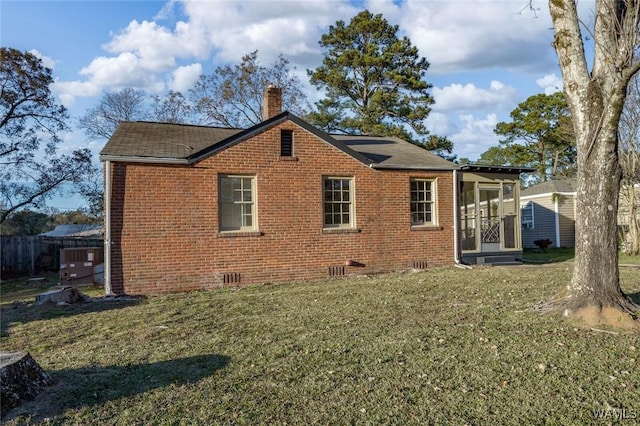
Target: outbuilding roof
(550,187)
(75,231)
(186,144)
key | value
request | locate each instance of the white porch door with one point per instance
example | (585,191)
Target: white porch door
(490,209)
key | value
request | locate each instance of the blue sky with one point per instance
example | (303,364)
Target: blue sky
(486,55)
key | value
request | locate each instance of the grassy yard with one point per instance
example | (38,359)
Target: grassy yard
(563,254)
(445,346)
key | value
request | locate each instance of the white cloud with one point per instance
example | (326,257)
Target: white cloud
(470,97)
(475,135)
(463,36)
(158,46)
(439,124)
(551,83)
(145,51)
(46,61)
(392,11)
(455,36)
(292,28)
(183,78)
(67,91)
(124,70)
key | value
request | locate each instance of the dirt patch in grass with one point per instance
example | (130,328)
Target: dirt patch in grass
(594,316)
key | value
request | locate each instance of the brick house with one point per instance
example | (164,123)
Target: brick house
(192,207)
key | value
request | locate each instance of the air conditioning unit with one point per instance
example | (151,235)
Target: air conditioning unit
(80,265)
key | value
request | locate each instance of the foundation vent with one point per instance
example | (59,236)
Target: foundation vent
(419,264)
(231,278)
(336,271)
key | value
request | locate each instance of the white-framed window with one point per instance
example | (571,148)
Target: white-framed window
(338,203)
(526,215)
(423,202)
(237,203)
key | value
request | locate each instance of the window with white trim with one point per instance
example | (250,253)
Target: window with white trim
(237,203)
(526,215)
(338,202)
(423,202)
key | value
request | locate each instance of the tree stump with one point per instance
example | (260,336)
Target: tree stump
(61,296)
(21,378)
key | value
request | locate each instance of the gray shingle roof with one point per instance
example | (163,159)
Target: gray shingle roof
(163,140)
(394,153)
(550,187)
(159,142)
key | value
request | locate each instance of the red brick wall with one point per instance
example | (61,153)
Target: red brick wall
(165,228)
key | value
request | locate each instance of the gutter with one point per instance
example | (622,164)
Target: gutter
(107,228)
(136,159)
(378,166)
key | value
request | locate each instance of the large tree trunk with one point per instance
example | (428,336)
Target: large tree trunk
(595,277)
(596,98)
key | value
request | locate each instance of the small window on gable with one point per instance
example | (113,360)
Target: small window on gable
(286,143)
(526,215)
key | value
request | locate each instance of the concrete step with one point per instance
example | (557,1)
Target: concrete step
(497,259)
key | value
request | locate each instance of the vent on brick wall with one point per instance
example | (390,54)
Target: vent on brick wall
(286,143)
(231,278)
(419,264)
(336,271)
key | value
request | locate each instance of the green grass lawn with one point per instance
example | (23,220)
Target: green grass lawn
(564,254)
(444,346)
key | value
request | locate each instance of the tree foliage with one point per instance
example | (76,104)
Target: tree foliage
(31,222)
(26,222)
(123,105)
(539,135)
(512,155)
(172,108)
(74,217)
(101,122)
(440,145)
(596,96)
(374,82)
(232,95)
(31,125)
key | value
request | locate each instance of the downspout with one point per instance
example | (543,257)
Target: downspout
(107,228)
(556,209)
(456,258)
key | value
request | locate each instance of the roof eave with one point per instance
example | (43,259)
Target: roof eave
(499,169)
(546,194)
(273,121)
(404,167)
(150,160)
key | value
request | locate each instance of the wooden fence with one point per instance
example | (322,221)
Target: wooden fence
(28,255)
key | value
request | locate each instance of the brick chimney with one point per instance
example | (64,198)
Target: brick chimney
(271,102)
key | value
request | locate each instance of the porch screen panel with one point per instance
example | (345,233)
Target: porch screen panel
(510,213)
(468,232)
